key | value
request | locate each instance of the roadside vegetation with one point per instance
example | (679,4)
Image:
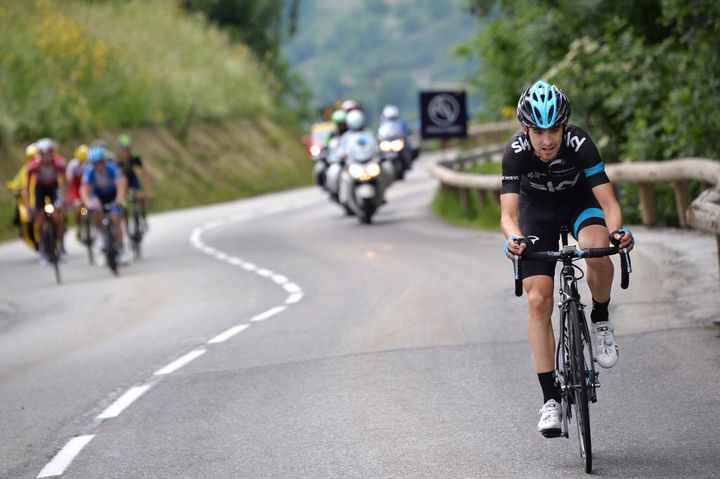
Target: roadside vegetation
(204,111)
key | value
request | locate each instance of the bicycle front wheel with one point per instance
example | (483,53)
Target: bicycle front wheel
(579,369)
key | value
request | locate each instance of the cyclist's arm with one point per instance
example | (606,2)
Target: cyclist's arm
(605,195)
(85,193)
(121,185)
(510,220)
(147,182)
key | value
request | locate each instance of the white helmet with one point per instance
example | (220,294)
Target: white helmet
(391,112)
(355,120)
(44,145)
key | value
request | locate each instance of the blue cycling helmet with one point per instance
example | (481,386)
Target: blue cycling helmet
(96,154)
(543,106)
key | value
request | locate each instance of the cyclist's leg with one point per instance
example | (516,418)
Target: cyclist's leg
(539,225)
(539,289)
(588,223)
(591,231)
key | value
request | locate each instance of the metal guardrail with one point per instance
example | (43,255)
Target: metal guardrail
(702,214)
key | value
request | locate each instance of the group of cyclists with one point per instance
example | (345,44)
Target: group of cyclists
(97,181)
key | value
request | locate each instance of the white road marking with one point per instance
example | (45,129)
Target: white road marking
(213,223)
(222,337)
(270,312)
(62,459)
(180,362)
(58,464)
(292,288)
(123,402)
(294,298)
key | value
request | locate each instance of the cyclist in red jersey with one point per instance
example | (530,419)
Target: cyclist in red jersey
(73,175)
(46,174)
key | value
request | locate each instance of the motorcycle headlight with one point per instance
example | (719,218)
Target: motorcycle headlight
(315,150)
(398,145)
(49,209)
(356,171)
(373,170)
(385,145)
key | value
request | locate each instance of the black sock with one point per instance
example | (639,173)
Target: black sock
(549,389)
(599,311)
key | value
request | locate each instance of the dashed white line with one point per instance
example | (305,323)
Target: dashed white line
(180,362)
(235,261)
(279,279)
(294,298)
(264,272)
(249,266)
(222,337)
(66,455)
(269,313)
(123,402)
(292,288)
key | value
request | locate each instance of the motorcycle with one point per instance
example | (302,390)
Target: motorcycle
(394,148)
(365,178)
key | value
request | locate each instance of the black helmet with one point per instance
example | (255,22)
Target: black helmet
(543,106)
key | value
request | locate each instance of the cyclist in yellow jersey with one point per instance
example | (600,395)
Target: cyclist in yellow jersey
(17,186)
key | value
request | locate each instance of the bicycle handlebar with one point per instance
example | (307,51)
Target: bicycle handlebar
(570,254)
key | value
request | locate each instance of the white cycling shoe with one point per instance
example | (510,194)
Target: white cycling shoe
(124,257)
(550,419)
(606,350)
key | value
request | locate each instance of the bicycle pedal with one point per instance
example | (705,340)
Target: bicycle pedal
(551,433)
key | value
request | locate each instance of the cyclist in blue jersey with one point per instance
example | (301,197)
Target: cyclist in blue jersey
(553,176)
(104,185)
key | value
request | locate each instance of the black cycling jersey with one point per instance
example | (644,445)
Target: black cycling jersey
(128,169)
(578,167)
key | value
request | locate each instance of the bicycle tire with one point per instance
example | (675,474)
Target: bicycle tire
(137,233)
(49,239)
(88,238)
(111,249)
(580,386)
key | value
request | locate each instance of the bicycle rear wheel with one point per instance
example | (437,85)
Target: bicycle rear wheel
(111,248)
(50,247)
(579,371)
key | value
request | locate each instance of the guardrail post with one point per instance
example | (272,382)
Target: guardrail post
(648,208)
(465,202)
(481,200)
(682,200)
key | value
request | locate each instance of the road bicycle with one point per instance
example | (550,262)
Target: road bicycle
(111,248)
(86,232)
(575,371)
(136,224)
(49,239)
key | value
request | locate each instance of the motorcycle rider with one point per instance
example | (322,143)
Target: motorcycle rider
(358,135)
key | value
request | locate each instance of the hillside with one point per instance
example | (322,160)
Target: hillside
(382,51)
(199,107)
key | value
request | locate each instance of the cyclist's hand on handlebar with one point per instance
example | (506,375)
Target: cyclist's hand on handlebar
(623,238)
(514,245)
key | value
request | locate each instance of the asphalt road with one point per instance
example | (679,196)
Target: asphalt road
(276,338)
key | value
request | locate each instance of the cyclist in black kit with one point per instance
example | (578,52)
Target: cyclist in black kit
(553,176)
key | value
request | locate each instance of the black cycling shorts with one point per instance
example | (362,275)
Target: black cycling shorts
(541,220)
(42,192)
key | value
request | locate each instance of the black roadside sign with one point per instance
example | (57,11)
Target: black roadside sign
(443,114)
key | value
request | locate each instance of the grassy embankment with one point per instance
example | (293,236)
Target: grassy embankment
(446,203)
(201,110)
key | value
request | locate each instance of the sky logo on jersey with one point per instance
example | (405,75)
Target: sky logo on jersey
(533,239)
(520,144)
(574,141)
(549,186)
